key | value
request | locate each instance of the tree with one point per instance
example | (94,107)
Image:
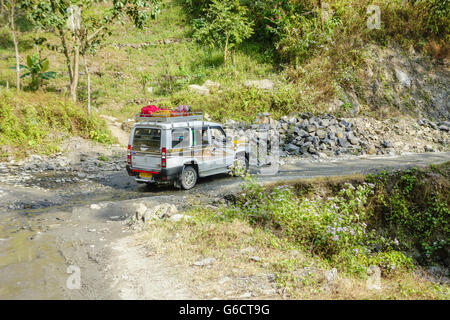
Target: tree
(9,6)
(37,69)
(225,25)
(81,29)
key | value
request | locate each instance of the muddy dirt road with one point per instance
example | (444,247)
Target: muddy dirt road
(47,227)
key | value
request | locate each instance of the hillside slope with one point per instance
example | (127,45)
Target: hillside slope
(346,76)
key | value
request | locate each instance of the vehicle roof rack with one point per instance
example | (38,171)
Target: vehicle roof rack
(170,118)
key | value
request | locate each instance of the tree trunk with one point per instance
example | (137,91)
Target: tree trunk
(225,52)
(66,54)
(16,44)
(86,68)
(75,75)
(233,52)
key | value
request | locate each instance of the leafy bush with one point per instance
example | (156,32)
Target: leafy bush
(413,206)
(334,228)
(436,15)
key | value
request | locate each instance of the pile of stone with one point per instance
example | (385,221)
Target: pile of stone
(443,125)
(306,134)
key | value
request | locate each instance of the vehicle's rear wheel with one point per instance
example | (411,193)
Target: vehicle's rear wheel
(188,178)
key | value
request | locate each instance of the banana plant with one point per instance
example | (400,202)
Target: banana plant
(37,69)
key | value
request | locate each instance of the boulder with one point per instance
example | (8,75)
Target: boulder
(211,84)
(165,210)
(264,84)
(403,78)
(199,89)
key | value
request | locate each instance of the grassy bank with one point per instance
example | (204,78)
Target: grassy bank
(396,221)
(38,123)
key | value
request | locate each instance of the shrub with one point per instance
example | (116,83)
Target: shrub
(334,228)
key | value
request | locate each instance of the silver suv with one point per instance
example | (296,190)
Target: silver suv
(180,149)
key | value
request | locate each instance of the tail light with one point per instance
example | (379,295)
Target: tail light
(163,158)
(129,154)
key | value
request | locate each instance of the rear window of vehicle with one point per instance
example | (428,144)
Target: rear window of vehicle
(147,139)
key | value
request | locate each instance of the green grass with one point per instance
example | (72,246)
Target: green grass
(38,123)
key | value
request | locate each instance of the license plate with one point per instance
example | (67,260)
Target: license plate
(145,175)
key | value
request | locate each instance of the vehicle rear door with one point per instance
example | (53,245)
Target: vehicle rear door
(146,149)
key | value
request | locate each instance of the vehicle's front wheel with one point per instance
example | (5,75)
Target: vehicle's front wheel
(188,178)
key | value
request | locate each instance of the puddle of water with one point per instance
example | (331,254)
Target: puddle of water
(29,269)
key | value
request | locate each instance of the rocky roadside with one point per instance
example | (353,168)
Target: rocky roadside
(308,136)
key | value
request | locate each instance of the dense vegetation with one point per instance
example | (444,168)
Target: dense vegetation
(297,30)
(397,221)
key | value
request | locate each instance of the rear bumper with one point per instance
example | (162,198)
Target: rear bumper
(165,174)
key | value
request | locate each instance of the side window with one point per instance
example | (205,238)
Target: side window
(217,136)
(200,136)
(180,138)
(205,140)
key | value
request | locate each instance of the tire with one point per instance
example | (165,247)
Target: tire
(188,178)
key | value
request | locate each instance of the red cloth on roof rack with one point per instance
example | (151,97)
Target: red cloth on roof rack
(149,109)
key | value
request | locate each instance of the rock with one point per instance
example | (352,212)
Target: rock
(211,84)
(269,292)
(165,210)
(403,78)
(325,122)
(140,212)
(291,148)
(178,217)
(83,157)
(342,142)
(373,282)
(245,295)
(321,133)
(371,150)
(387,144)
(432,125)
(204,262)
(223,280)
(264,84)
(302,133)
(311,128)
(331,275)
(444,128)
(255,258)
(352,139)
(199,89)
(248,250)
(429,149)
(127,124)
